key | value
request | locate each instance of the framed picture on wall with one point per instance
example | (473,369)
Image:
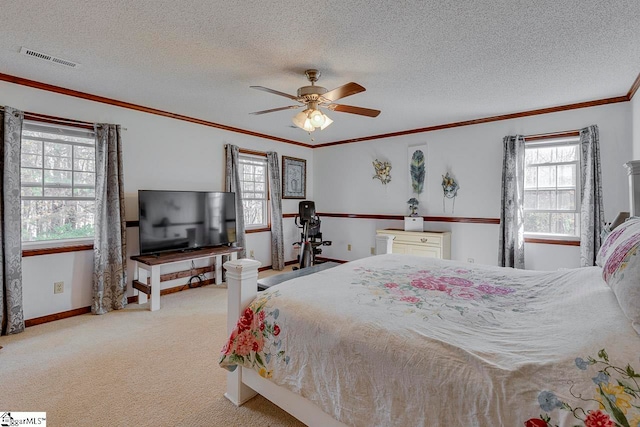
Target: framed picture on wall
(294,178)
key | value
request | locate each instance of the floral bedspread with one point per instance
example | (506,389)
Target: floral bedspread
(397,340)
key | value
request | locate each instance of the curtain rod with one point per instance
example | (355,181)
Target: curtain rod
(566,134)
(255,153)
(57,120)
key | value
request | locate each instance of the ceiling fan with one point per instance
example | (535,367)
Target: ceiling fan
(315,97)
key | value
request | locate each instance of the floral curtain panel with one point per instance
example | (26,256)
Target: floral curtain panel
(232,183)
(11,315)
(591,209)
(110,252)
(511,245)
(277,234)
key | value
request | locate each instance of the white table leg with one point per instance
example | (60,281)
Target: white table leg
(155,288)
(142,277)
(218,269)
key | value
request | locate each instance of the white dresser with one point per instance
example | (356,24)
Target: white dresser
(433,244)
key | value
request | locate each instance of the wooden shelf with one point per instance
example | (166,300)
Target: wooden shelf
(175,256)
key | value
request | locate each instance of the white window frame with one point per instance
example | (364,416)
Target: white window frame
(70,131)
(558,142)
(243,158)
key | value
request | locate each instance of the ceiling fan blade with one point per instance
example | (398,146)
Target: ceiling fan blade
(290,107)
(353,110)
(275,92)
(343,91)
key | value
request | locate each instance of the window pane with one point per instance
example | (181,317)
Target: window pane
(546,176)
(537,222)
(253,212)
(84,192)
(545,155)
(254,190)
(31,160)
(31,176)
(50,169)
(83,152)
(56,219)
(84,178)
(546,199)
(530,156)
(531,177)
(85,165)
(567,200)
(31,192)
(530,199)
(551,188)
(57,156)
(29,146)
(567,175)
(57,177)
(567,153)
(57,192)
(562,223)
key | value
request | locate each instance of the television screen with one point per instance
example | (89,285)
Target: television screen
(183,220)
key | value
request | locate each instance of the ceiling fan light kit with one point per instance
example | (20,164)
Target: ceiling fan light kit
(315,97)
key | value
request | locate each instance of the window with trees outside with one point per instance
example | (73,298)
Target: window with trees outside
(253,181)
(552,188)
(57,182)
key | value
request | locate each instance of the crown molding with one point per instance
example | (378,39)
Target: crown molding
(136,107)
(83,95)
(537,112)
(634,88)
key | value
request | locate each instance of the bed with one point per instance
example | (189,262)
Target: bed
(400,340)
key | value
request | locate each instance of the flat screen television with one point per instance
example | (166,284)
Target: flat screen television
(185,220)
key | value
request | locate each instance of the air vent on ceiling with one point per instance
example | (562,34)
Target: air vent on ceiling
(46,57)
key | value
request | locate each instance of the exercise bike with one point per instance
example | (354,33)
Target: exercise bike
(310,237)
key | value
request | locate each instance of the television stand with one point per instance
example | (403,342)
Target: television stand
(149,275)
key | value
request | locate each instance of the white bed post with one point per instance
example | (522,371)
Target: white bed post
(384,244)
(633,169)
(242,288)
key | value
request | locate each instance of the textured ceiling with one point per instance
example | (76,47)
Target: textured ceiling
(422,62)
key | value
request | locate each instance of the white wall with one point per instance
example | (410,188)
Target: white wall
(158,153)
(473,155)
(162,153)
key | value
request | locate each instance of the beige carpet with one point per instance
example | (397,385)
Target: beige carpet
(131,367)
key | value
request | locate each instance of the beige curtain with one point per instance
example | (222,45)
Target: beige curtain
(110,249)
(11,315)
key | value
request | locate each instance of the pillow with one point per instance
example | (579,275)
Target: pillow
(621,268)
(620,233)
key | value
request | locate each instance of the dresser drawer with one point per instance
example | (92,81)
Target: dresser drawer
(425,239)
(421,250)
(423,243)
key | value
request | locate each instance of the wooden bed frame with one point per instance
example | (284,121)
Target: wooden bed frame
(242,277)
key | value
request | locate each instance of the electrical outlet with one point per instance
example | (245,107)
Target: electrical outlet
(58,287)
(251,254)
(373,250)
(349,247)
(471,260)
